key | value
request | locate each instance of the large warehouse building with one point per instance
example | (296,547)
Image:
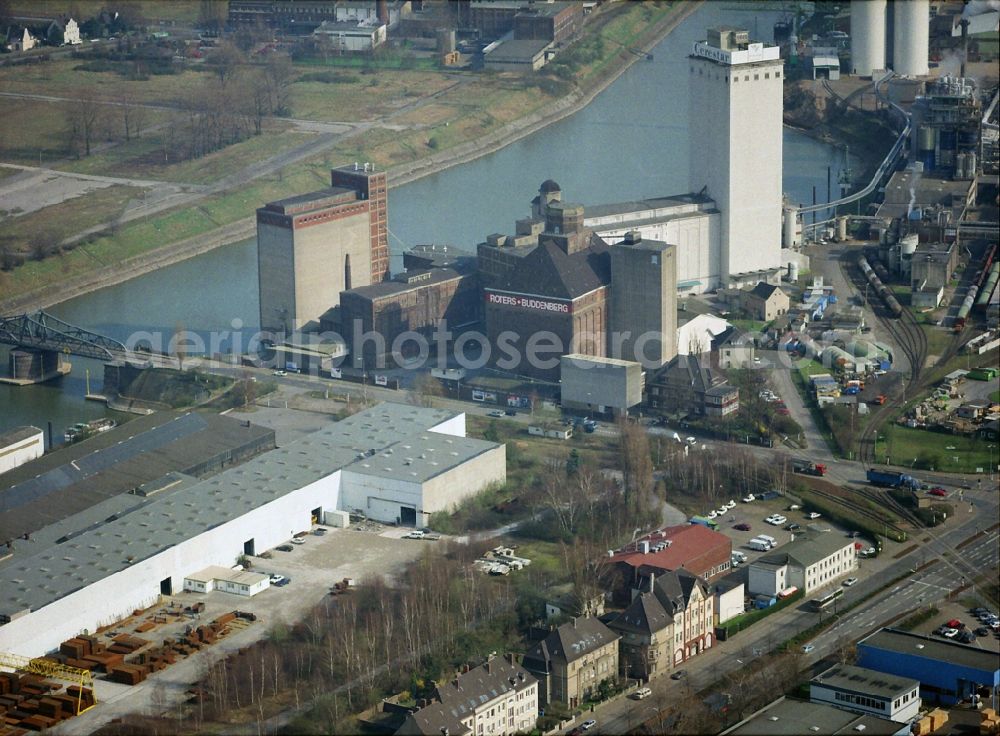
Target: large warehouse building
(394,462)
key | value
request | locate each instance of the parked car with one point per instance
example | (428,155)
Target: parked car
(813,515)
(966,637)
(511,412)
(278,373)
(588,724)
(276,578)
(678,675)
(744,527)
(495,413)
(950,633)
(298,540)
(982,631)
(937,492)
(849,582)
(955,624)
(792,527)
(284,548)
(808,648)
(642,692)
(749,498)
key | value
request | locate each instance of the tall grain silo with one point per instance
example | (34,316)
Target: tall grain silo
(867,36)
(911,37)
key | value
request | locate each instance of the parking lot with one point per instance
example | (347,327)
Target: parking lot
(956,610)
(754,514)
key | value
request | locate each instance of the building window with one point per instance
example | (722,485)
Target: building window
(767,75)
(777,75)
(756,77)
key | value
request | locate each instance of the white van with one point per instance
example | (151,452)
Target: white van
(770,540)
(642,692)
(759,545)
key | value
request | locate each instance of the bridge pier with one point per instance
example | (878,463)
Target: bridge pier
(28,366)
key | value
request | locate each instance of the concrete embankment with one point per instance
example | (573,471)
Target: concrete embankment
(167,255)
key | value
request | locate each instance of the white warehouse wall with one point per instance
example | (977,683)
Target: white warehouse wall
(22,451)
(138,586)
(698,246)
(443,492)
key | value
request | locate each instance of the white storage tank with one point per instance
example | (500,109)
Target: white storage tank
(908,245)
(867,36)
(842,228)
(793,271)
(911,37)
(790,230)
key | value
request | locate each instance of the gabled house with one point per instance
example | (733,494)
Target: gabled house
(63,31)
(669,621)
(688,386)
(573,660)
(499,698)
(20,39)
(765,301)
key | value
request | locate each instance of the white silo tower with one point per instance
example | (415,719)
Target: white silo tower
(911,37)
(867,36)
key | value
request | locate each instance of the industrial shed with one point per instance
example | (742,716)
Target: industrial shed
(98,566)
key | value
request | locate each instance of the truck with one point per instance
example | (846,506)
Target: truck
(892,479)
(806,467)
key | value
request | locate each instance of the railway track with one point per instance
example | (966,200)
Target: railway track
(884,498)
(911,339)
(858,509)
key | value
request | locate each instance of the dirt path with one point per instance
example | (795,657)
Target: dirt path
(240,230)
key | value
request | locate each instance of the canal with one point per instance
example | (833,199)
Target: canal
(629,143)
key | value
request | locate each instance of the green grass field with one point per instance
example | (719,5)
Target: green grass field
(949,453)
(60,221)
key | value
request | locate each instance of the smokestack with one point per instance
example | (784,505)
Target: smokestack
(965,44)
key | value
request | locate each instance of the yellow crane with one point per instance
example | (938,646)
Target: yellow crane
(54,670)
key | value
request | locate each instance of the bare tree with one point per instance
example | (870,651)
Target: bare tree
(637,469)
(133,113)
(279,75)
(226,60)
(425,390)
(84,118)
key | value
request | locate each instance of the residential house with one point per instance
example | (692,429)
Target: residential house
(733,349)
(688,386)
(573,660)
(690,547)
(665,625)
(765,302)
(499,698)
(20,39)
(63,31)
(809,562)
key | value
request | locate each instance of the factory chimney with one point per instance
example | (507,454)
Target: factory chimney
(965,44)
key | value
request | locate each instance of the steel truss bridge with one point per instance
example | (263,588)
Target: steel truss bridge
(42,331)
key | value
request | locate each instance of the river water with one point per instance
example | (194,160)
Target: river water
(629,143)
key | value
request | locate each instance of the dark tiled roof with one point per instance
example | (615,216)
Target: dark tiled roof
(480,685)
(570,642)
(644,615)
(549,271)
(433,720)
(687,370)
(764,290)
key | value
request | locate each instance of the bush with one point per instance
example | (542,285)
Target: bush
(433,143)
(330,77)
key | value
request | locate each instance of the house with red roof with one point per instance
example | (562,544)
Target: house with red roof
(691,547)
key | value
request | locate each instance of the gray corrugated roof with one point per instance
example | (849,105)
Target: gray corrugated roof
(808,549)
(787,717)
(928,647)
(645,205)
(166,520)
(17,435)
(862,680)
